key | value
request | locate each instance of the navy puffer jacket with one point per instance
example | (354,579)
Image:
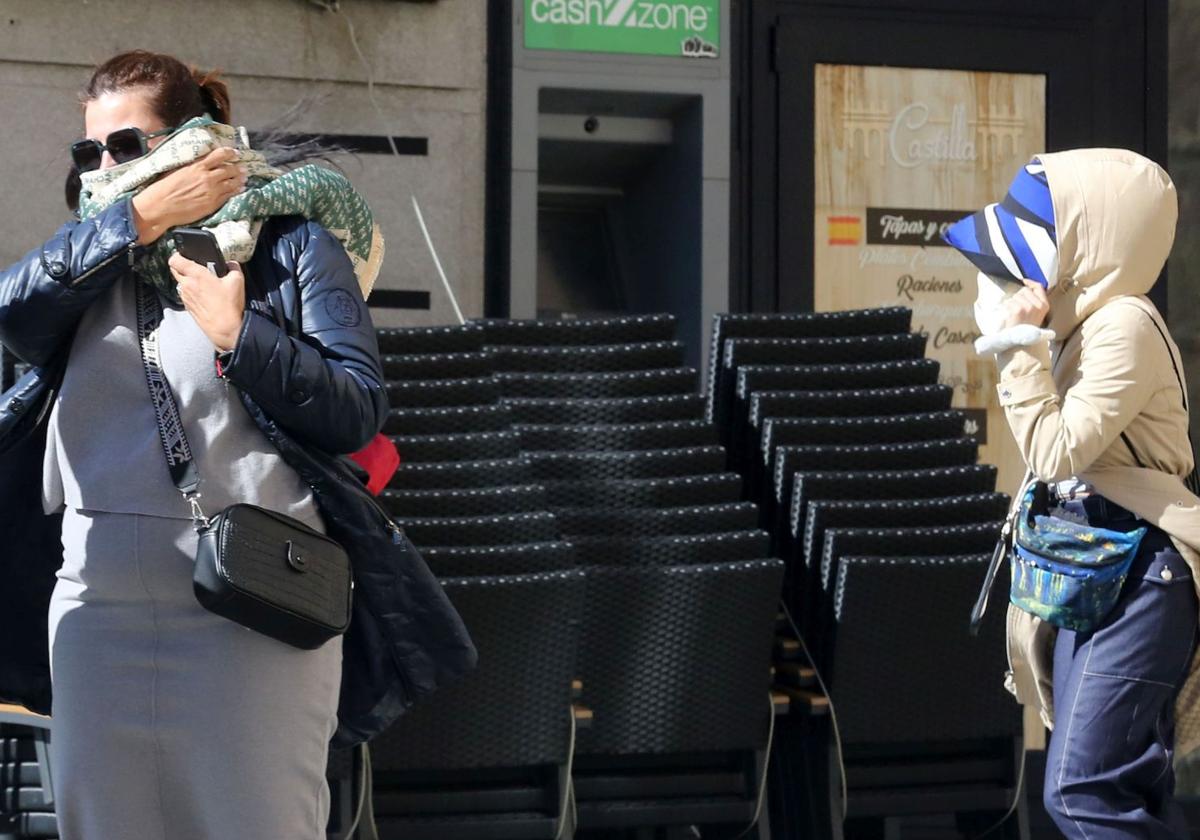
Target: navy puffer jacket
(307,369)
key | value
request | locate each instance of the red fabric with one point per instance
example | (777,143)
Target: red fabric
(380,459)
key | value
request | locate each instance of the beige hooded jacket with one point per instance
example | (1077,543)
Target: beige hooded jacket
(1115,214)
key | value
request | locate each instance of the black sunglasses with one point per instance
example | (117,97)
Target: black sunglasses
(124,144)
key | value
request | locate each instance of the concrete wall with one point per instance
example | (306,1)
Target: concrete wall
(429,66)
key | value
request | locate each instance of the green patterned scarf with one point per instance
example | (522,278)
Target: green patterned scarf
(315,192)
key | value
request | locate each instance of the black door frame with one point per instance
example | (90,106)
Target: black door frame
(1113,51)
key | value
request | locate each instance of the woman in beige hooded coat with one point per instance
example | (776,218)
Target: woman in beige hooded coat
(1106,425)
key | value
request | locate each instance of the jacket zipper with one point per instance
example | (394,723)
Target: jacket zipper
(397,531)
(105,263)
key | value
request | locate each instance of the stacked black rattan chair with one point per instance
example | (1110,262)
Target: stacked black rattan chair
(871,493)
(490,756)
(681,596)
(26,797)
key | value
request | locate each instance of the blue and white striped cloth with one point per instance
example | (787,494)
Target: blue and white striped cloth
(1015,238)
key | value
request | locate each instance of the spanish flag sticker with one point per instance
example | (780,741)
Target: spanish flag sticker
(845,230)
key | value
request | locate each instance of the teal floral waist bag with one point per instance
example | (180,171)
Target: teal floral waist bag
(1065,572)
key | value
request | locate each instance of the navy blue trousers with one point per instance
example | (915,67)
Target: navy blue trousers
(1108,766)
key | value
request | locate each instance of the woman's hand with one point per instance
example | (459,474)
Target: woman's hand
(1028,306)
(188,194)
(217,303)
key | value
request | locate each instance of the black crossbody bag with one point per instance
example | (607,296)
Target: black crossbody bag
(259,568)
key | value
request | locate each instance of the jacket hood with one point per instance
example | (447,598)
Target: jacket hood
(1115,214)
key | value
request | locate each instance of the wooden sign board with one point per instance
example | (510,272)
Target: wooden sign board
(901,153)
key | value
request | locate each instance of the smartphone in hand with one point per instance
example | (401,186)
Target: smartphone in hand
(199,245)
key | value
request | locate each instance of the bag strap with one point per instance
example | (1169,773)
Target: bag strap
(1192,480)
(999,552)
(180,463)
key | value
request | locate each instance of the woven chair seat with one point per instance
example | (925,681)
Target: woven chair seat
(418,366)
(483,501)
(637,383)
(447,420)
(516,559)
(653,463)
(624,329)
(600,358)
(547,411)
(476,446)
(508,529)
(646,492)
(438,393)
(452,475)
(467,338)
(680,550)
(614,436)
(656,522)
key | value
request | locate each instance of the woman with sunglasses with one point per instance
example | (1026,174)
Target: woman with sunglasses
(170,721)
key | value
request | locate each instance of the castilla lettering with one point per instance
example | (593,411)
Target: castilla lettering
(945,336)
(906,285)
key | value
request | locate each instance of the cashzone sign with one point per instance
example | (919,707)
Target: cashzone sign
(688,28)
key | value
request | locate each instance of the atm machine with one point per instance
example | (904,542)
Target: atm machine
(620,163)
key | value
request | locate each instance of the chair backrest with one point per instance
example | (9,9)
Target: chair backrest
(682,550)
(516,559)
(974,538)
(616,436)
(900,639)
(646,492)
(830,377)
(466,338)
(960,451)
(892,428)
(434,393)
(823,514)
(514,709)
(657,522)
(509,529)
(910,399)
(798,325)
(447,420)
(477,446)
(882,484)
(675,659)
(654,463)
(605,410)
(451,475)
(407,366)
(587,358)
(807,351)
(482,501)
(751,378)
(636,383)
(623,329)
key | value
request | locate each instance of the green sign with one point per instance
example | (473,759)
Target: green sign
(644,27)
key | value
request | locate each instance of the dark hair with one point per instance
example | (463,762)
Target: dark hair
(177,92)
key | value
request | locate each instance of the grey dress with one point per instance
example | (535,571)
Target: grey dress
(169,721)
